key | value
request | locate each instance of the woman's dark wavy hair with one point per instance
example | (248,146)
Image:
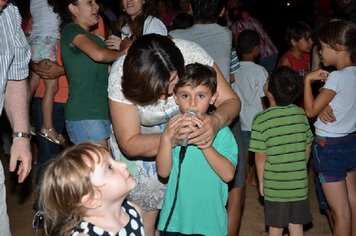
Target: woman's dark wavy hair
(342,33)
(285,85)
(147,68)
(136,25)
(61,8)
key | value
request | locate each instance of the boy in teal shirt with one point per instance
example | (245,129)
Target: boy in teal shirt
(202,193)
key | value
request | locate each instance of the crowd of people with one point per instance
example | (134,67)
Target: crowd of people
(151,121)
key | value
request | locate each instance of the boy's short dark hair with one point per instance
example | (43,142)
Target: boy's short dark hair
(285,85)
(297,30)
(196,74)
(207,11)
(183,20)
(247,41)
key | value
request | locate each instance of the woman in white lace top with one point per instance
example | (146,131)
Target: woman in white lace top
(140,89)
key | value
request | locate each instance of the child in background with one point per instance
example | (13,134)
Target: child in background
(281,139)
(299,39)
(203,191)
(249,86)
(86,63)
(335,142)
(43,41)
(84,192)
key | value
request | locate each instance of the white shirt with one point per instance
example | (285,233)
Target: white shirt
(14,50)
(248,85)
(343,82)
(152,25)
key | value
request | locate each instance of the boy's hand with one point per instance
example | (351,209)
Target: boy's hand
(171,132)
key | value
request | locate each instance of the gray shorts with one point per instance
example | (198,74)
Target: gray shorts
(281,214)
(239,179)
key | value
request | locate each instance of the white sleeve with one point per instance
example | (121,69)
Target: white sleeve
(114,84)
(154,26)
(192,52)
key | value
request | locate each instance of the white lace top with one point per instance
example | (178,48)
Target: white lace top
(160,112)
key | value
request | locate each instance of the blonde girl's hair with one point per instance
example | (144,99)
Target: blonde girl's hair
(66,180)
(340,32)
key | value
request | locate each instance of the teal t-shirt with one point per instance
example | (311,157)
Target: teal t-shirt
(202,194)
(283,133)
(87,79)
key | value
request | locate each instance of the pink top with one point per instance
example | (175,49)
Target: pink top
(247,22)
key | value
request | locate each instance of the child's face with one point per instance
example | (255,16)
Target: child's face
(112,179)
(328,54)
(86,12)
(197,99)
(304,44)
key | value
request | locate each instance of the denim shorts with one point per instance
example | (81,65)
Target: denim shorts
(88,130)
(334,157)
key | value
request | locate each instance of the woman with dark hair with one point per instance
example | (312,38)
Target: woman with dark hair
(140,89)
(139,18)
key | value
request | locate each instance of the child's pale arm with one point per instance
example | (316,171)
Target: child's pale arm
(94,51)
(220,164)
(164,155)
(314,106)
(260,160)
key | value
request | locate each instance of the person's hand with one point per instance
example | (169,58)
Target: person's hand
(21,152)
(172,129)
(204,136)
(125,44)
(260,187)
(327,115)
(47,69)
(113,42)
(317,75)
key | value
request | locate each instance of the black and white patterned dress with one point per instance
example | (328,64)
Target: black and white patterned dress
(133,228)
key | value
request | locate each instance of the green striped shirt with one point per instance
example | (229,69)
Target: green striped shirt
(283,134)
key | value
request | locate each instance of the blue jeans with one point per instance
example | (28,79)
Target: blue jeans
(46,149)
(80,131)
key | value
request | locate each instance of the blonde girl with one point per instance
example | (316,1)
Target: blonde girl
(84,192)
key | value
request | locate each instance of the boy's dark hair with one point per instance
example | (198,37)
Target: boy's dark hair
(183,20)
(285,85)
(207,11)
(247,41)
(297,30)
(196,74)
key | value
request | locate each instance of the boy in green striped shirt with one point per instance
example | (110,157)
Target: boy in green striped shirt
(281,139)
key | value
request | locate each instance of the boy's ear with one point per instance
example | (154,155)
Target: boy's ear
(91,201)
(293,42)
(214,97)
(175,98)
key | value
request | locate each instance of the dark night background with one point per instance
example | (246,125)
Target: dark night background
(275,15)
